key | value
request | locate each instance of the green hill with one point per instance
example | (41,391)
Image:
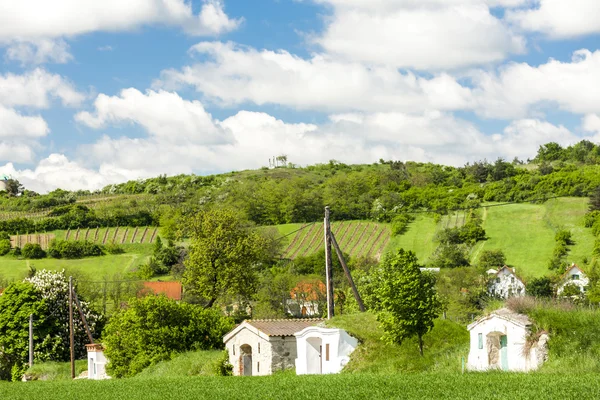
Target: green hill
(524,232)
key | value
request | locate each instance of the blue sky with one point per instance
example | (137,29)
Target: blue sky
(93,93)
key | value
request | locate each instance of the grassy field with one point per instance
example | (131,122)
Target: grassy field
(357,238)
(108,265)
(348,386)
(525,232)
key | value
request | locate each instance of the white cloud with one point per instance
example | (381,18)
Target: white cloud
(36,19)
(425,35)
(235,75)
(559,18)
(39,51)
(591,123)
(432,136)
(524,137)
(15,125)
(36,88)
(56,171)
(518,88)
(162,114)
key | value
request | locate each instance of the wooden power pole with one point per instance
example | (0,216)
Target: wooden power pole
(328,266)
(71,330)
(340,255)
(30,340)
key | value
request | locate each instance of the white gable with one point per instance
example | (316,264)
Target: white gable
(323,350)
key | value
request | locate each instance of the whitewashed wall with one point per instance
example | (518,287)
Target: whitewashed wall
(310,361)
(516,338)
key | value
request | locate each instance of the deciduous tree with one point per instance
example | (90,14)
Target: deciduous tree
(408,298)
(225,255)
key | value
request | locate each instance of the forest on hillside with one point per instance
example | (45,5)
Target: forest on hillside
(290,194)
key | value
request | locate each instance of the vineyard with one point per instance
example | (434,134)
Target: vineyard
(118,235)
(357,238)
(43,240)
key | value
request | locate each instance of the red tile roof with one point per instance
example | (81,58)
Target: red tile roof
(173,290)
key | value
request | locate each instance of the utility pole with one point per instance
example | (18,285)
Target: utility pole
(71,331)
(340,255)
(328,266)
(30,340)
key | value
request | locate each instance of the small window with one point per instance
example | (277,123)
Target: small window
(512,279)
(327,352)
(259,348)
(234,349)
(258,366)
(497,280)
(480,341)
(575,277)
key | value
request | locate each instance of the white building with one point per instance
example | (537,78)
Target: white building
(505,283)
(323,350)
(261,347)
(573,276)
(96,362)
(500,341)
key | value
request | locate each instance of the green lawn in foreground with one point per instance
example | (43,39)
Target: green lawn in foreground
(322,387)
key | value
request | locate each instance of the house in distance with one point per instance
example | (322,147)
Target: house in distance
(505,283)
(574,276)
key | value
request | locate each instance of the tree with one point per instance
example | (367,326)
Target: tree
(154,329)
(540,287)
(224,257)
(491,259)
(408,298)
(14,187)
(595,199)
(45,296)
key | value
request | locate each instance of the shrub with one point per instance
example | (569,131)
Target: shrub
(17,251)
(113,248)
(4,247)
(563,236)
(154,329)
(590,218)
(33,251)
(74,249)
(400,224)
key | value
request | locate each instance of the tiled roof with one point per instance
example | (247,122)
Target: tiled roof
(283,327)
(172,290)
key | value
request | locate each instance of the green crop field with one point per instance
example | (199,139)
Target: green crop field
(347,386)
(357,238)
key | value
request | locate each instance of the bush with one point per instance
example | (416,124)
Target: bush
(74,249)
(590,218)
(33,251)
(563,236)
(4,247)
(400,224)
(17,251)
(113,248)
(154,328)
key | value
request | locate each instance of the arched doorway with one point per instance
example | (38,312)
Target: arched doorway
(246,360)
(314,348)
(497,349)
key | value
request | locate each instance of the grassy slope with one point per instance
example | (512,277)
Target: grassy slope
(444,347)
(418,237)
(525,232)
(195,363)
(108,265)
